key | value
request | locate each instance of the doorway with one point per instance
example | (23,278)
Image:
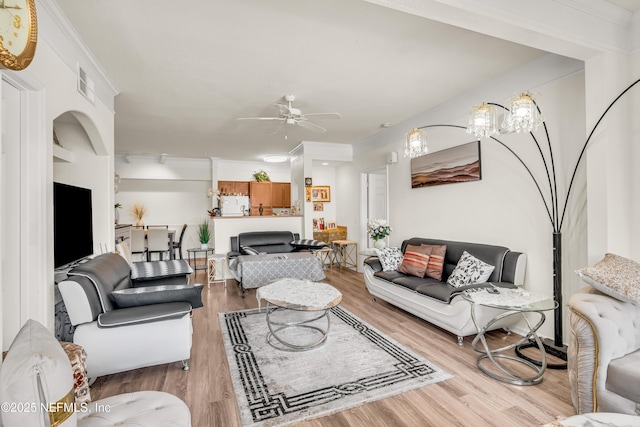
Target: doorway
(375,204)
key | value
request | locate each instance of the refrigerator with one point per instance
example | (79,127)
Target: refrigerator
(234,205)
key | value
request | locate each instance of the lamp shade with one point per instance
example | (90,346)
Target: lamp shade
(483,121)
(523,114)
(416,143)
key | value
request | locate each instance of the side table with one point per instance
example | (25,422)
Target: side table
(514,302)
(346,253)
(325,255)
(192,253)
(217,269)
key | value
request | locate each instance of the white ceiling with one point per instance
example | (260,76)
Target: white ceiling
(186,73)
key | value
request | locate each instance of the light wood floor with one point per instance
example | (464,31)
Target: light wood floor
(469,399)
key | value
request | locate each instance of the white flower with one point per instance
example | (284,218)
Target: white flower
(378,228)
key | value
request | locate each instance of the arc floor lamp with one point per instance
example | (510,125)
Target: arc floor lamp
(524,115)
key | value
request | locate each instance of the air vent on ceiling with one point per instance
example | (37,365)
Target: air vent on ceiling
(85,85)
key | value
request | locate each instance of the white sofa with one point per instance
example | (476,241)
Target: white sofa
(439,303)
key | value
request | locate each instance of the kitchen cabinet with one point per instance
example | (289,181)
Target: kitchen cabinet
(281,194)
(233,188)
(260,193)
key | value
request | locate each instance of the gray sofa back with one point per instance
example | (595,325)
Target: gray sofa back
(109,272)
(264,241)
(493,255)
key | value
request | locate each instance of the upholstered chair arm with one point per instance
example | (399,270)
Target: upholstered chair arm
(159,294)
(143,314)
(602,329)
(80,299)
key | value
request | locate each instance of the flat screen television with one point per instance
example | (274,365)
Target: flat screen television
(72,224)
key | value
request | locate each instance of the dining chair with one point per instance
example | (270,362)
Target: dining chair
(157,242)
(149,227)
(178,245)
(138,243)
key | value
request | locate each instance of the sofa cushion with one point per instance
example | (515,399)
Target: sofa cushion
(623,376)
(143,314)
(415,261)
(469,270)
(146,295)
(413,282)
(268,241)
(615,276)
(445,293)
(141,271)
(493,255)
(390,258)
(108,272)
(436,260)
(389,276)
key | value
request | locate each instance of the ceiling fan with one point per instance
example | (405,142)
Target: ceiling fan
(290,115)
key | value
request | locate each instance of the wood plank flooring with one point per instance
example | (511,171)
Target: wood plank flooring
(469,399)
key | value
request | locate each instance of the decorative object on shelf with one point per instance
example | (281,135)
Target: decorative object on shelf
(116,182)
(261,176)
(18,44)
(214,212)
(138,210)
(321,193)
(308,182)
(378,230)
(448,166)
(318,224)
(416,143)
(524,115)
(260,209)
(116,215)
(204,234)
(331,225)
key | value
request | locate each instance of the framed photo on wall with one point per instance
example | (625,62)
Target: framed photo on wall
(318,207)
(321,193)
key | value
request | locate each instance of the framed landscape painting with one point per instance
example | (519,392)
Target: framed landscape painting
(455,164)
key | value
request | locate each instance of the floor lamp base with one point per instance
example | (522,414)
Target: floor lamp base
(550,348)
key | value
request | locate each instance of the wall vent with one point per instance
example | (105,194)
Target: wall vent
(85,85)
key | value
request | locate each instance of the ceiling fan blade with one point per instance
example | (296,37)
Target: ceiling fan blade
(260,118)
(311,126)
(279,128)
(325,115)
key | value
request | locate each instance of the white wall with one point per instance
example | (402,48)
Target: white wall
(504,208)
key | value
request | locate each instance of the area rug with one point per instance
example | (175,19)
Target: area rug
(355,365)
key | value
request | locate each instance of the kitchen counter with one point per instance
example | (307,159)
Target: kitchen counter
(224,227)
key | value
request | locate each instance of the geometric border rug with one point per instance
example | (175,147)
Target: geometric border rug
(355,365)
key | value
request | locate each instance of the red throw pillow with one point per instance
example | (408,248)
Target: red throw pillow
(436,261)
(415,261)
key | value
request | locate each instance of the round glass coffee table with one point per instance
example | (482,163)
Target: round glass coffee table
(298,313)
(513,302)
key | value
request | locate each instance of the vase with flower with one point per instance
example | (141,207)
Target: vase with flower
(378,230)
(138,210)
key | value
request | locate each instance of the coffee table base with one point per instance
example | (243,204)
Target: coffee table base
(276,329)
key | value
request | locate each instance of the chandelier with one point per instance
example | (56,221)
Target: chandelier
(416,143)
(483,121)
(523,114)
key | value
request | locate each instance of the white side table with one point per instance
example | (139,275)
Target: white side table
(217,269)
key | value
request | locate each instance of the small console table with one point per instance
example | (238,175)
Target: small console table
(193,253)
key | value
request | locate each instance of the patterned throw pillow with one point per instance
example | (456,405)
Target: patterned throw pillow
(415,261)
(436,261)
(469,270)
(615,276)
(390,258)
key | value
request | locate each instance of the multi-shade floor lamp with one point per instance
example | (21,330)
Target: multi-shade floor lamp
(524,116)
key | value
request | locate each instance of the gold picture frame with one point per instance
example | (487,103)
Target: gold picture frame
(321,193)
(318,207)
